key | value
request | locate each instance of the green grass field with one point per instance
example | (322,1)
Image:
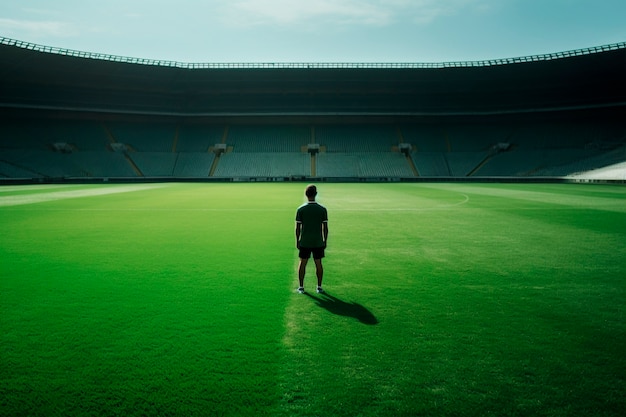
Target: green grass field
(443,300)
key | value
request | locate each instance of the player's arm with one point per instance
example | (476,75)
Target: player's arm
(325,232)
(298,232)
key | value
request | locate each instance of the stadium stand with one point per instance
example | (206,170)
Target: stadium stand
(268,138)
(431,164)
(145,137)
(263,164)
(363,165)
(544,116)
(425,138)
(462,164)
(154,164)
(356,138)
(198,138)
(193,164)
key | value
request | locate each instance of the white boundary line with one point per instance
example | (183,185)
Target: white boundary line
(18,200)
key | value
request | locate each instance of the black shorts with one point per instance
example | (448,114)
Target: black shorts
(305,253)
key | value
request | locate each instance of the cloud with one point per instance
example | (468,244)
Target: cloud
(35,28)
(309,13)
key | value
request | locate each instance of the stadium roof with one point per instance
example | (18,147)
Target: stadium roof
(36,76)
(187,65)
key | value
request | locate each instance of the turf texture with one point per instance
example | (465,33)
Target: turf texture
(442,300)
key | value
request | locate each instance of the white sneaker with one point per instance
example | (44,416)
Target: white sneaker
(300,290)
(320,290)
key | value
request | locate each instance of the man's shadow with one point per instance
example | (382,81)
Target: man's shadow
(336,306)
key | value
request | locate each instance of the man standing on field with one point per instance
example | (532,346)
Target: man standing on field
(311,236)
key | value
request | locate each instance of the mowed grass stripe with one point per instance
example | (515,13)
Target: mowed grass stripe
(183,306)
(44,195)
(368,365)
(22,189)
(145,312)
(473,306)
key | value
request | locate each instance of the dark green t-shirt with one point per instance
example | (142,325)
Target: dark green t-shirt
(311,215)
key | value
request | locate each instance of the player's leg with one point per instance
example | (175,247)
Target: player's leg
(302,271)
(319,271)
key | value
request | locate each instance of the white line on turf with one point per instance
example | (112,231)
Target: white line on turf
(17,200)
(12,188)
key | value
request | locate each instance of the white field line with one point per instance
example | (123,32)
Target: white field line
(18,200)
(10,188)
(257,209)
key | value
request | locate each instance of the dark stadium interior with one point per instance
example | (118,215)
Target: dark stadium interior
(69,117)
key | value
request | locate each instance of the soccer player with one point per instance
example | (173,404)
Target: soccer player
(311,236)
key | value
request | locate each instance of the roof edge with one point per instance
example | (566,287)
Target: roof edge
(309,65)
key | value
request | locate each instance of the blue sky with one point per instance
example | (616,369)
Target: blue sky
(200,31)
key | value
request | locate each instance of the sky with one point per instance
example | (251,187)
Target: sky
(316,31)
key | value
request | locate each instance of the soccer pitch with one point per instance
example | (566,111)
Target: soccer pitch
(443,300)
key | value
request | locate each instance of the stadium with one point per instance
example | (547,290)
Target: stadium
(69,115)
(475,264)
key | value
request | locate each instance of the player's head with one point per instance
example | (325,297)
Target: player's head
(310,192)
